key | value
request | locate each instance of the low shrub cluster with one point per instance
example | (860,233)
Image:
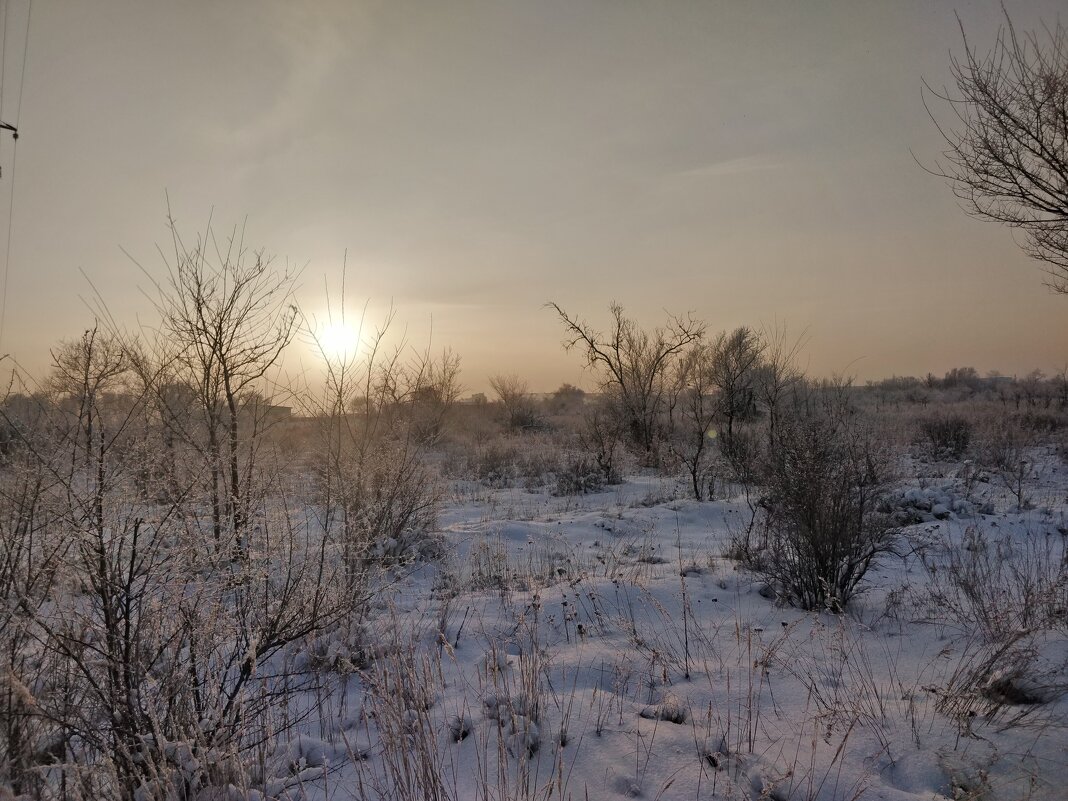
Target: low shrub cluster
(949,435)
(825,480)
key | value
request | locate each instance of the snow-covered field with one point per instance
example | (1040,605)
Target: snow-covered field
(389,616)
(603,646)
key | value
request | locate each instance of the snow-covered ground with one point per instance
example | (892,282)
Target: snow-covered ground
(604,647)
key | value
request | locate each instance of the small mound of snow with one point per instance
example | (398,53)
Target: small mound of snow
(460,727)
(670,709)
(524,738)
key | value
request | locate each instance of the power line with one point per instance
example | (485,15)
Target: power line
(13,127)
(25,51)
(7,249)
(3,59)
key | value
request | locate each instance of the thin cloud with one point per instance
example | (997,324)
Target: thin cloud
(736,166)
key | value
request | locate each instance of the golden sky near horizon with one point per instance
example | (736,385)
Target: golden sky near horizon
(754,163)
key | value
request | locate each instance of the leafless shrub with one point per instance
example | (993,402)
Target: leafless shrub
(30,558)
(1005,451)
(1000,586)
(143,660)
(530,460)
(160,653)
(602,436)
(578,474)
(433,391)
(1042,423)
(155,577)
(377,413)
(948,434)
(825,480)
(747,467)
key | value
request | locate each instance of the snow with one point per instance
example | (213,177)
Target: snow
(603,647)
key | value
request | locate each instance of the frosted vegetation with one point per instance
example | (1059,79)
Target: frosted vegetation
(711,578)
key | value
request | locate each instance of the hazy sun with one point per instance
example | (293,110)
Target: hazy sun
(338,340)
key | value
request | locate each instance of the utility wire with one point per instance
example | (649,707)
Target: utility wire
(25,52)
(3,60)
(14,154)
(3,71)
(7,249)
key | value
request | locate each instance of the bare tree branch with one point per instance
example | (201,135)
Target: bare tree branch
(1006,153)
(634,363)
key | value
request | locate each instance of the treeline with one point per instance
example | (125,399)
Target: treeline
(1036,389)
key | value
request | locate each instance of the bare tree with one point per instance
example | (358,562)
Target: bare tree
(567,398)
(226,317)
(1036,389)
(1007,148)
(778,374)
(433,393)
(514,394)
(719,383)
(733,364)
(695,411)
(636,364)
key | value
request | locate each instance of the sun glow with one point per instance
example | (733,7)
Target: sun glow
(338,340)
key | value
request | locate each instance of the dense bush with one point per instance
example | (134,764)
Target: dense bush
(1004,443)
(579,474)
(601,436)
(1042,422)
(381,503)
(512,462)
(949,434)
(825,479)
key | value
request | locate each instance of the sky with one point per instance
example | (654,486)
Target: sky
(753,163)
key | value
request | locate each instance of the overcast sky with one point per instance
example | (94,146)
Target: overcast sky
(750,162)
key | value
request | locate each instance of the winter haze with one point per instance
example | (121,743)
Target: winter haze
(749,162)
